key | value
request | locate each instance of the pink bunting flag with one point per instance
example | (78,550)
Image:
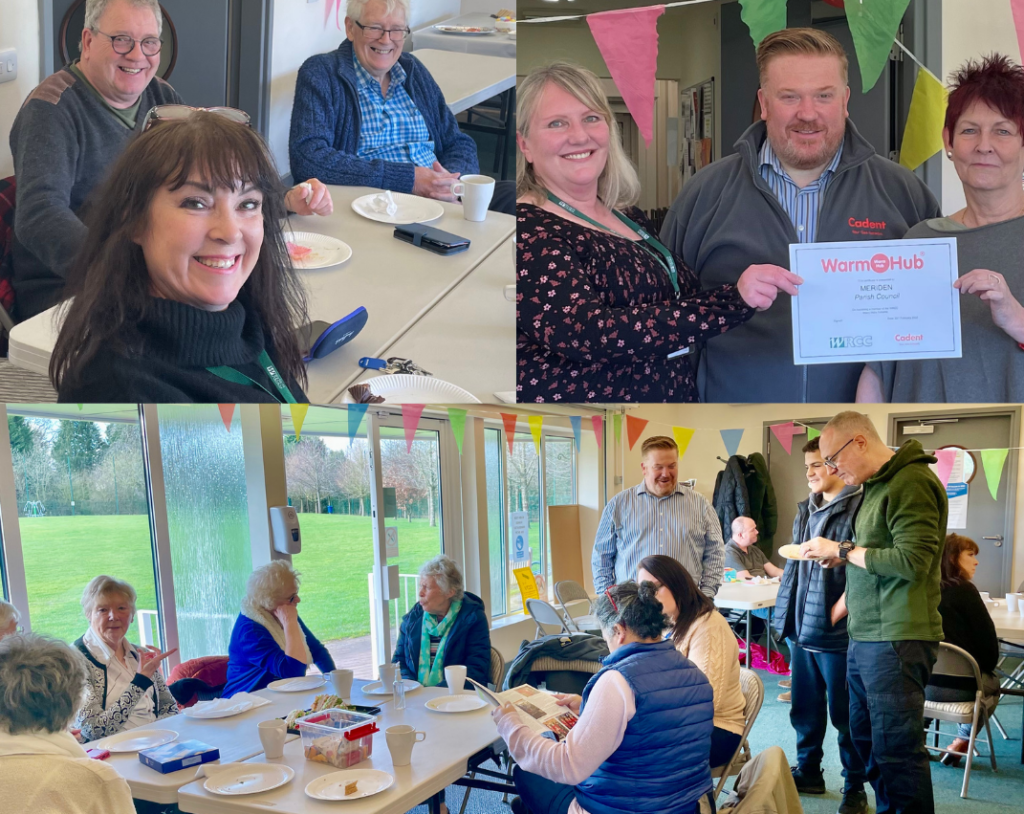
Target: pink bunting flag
(628,41)
(1018,22)
(784,433)
(411,421)
(946,459)
(227,411)
(598,424)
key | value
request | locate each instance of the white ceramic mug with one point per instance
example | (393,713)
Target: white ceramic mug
(1011,602)
(272,736)
(387,675)
(400,740)
(341,680)
(455,676)
(476,192)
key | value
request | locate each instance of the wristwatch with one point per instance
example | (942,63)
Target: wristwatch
(845,548)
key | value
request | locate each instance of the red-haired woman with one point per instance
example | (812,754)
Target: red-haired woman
(967,624)
(984,138)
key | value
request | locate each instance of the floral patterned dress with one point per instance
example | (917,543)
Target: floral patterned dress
(597,315)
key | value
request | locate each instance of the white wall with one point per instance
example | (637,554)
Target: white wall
(19,28)
(972,28)
(299,33)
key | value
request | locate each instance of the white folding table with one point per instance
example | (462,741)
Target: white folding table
(498,44)
(741,596)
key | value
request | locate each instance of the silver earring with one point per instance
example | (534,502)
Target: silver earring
(949,155)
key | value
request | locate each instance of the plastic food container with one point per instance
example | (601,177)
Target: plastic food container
(337,737)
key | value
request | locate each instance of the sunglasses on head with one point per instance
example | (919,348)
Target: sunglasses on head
(169,113)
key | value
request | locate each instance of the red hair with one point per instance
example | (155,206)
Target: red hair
(997,81)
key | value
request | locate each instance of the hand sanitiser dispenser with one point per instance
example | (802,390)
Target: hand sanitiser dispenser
(284,528)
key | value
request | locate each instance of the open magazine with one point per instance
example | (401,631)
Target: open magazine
(537,709)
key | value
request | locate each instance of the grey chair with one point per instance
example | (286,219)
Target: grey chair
(567,591)
(545,614)
(753,696)
(955,661)
(497,668)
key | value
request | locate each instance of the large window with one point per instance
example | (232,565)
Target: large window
(83,511)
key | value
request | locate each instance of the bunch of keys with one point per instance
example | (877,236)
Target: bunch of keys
(393,364)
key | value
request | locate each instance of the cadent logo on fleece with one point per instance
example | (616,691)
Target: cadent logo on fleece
(879,263)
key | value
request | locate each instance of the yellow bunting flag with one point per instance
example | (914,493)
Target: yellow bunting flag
(683,435)
(922,137)
(992,461)
(298,417)
(226,413)
(527,583)
(535,422)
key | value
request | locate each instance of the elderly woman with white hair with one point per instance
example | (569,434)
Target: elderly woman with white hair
(606,311)
(43,769)
(9,618)
(447,626)
(269,640)
(125,688)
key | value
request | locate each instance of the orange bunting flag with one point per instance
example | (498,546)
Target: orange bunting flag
(510,428)
(227,411)
(634,427)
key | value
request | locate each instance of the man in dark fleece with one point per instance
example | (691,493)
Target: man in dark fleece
(892,594)
(802,175)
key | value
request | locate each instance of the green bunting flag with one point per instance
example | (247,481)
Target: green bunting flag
(457,417)
(874,24)
(812,433)
(763,17)
(992,461)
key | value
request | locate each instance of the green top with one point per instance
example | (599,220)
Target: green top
(902,524)
(127,116)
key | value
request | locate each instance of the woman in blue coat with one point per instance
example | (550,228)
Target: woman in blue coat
(269,640)
(447,627)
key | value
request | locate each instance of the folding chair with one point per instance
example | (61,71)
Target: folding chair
(955,661)
(545,614)
(567,591)
(753,695)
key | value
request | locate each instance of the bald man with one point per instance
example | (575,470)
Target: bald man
(743,554)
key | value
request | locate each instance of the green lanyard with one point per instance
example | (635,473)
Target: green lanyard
(652,246)
(232,375)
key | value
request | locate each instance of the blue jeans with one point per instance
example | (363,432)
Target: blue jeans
(887,681)
(544,796)
(819,693)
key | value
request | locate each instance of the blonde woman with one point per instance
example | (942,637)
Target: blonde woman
(269,640)
(603,303)
(125,688)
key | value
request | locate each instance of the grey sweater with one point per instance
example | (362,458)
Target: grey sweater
(992,366)
(727,218)
(63,141)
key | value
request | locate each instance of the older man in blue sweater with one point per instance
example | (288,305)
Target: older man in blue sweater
(369,115)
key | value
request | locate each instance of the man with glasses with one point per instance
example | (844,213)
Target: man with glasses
(892,594)
(70,130)
(369,115)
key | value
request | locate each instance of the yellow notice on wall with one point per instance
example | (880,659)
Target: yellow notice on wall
(527,584)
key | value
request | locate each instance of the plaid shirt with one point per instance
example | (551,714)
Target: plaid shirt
(392,127)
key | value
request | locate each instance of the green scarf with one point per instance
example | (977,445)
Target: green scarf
(430,675)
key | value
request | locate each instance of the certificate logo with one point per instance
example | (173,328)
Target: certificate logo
(909,337)
(879,263)
(835,342)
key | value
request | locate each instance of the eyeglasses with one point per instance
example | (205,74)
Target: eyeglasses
(608,593)
(167,113)
(831,462)
(375,32)
(123,44)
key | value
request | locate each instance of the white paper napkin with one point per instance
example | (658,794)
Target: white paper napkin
(384,203)
(215,708)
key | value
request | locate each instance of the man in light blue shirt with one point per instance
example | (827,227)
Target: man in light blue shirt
(659,516)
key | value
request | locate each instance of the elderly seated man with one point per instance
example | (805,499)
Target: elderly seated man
(43,769)
(124,688)
(369,115)
(70,130)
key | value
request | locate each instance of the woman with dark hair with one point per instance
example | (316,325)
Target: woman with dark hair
(701,633)
(184,291)
(984,138)
(644,728)
(967,624)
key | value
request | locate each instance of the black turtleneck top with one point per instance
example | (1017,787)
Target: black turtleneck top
(169,351)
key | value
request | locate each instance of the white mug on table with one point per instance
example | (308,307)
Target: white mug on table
(476,192)
(272,736)
(341,680)
(455,676)
(387,675)
(400,740)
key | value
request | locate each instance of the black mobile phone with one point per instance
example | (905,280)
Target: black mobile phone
(431,239)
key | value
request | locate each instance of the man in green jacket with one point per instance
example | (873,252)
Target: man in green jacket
(892,594)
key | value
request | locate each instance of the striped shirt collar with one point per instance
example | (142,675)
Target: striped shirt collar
(364,79)
(641,489)
(769,158)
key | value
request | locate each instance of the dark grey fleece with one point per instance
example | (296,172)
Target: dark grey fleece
(727,218)
(63,141)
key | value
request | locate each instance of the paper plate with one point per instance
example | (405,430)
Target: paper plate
(300,684)
(376,688)
(792,552)
(466,30)
(135,740)
(455,703)
(224,712)
(411,209)
(327,251)
(404,388)
(249,778)
(332,786)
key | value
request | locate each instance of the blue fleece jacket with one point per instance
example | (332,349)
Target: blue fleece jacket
(469,641)
(255,659)
(324,133)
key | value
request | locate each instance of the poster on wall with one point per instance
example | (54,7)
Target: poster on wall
(519,535)
(957,494)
